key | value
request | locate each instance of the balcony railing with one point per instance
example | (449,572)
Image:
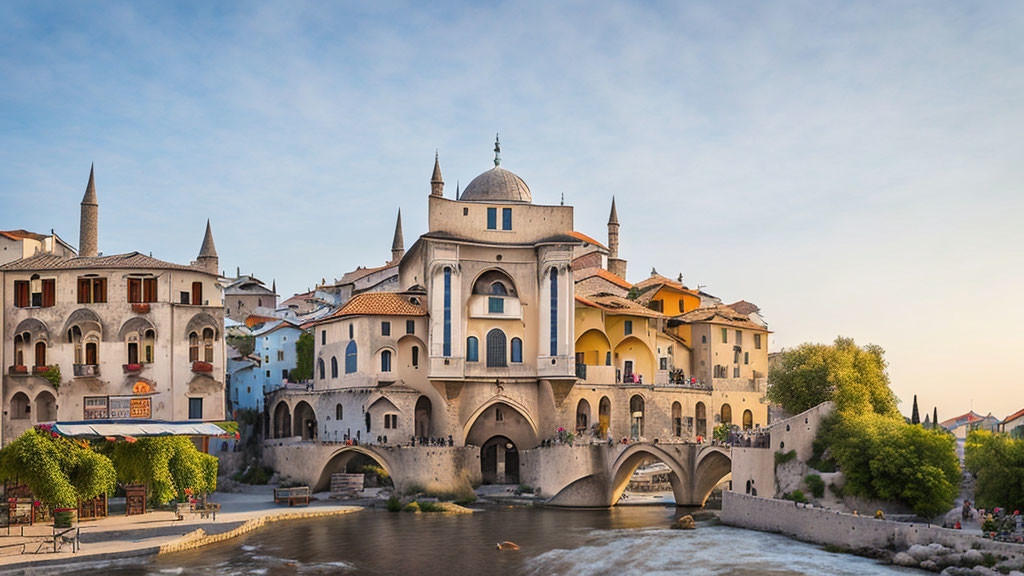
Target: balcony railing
(140,308)
(18,370)
(84,370)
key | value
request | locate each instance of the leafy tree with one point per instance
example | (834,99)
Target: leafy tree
(915,416)
(167,465)
(852,376)
(935,418)
(58,470)
(244,344)
(303,359)
(883,457)
(721,433)
(998,462)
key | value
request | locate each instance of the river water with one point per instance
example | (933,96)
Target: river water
(623,541)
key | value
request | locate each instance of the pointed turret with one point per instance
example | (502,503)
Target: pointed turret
(398,244)
(88,229)
(436,182)
(207,259)
(613,218)
(616,265)
(273,286)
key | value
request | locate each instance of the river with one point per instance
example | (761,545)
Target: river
(623,541)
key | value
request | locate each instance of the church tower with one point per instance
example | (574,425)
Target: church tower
(89,224)
(436,182)
(398,244)
(207,259)
(616,265)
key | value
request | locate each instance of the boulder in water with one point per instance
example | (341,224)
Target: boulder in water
(684,523)
(904,559)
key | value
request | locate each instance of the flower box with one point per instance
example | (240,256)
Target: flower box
(140,308)
(202,367)
(39,369)
(131,368)
(18,370)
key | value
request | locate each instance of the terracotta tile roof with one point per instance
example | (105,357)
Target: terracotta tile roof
(658,279)
(723,315)
(1014,416)
(254,319)
(618,305)
(744,307)
(378,304)
(587,239)
(270,329)
(960,420)
(602,273)
(132,260)
(22,234)
(650,287)
(358,273)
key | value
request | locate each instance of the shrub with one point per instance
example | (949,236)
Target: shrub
(795,496)
(783,457)
(837,490)
(815,485)
(166,465)
(58,470)
(256,475)
(411,507)
(394,504)
(430,507)
(525,489)
(998,463)
(466,500)
(721,433)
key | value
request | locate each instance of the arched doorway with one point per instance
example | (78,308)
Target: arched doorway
(726,414)
(677,419)
(604,416)
(422,417)
(636,417)
(748,419)
(700,420)
(582,416)
(282,420)
(46,407)
(21,409)
(499,461)
(305,421)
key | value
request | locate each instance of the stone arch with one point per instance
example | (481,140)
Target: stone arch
(582,416)
(282,420)
(21,409)
(714,466)
(483,281)
(595,346)
(35,327)
(46,407)
(337,462)
(137,324)
(423,415)
(631,458)
(639,353)
(523,439)
(200,321)
(304,421)
(86,320)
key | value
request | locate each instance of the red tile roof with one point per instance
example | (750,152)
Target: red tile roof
(617,305)
(723,315)
(602,273)
(21,235)
(587,239)
(378,304)
(744,307)
(132,260)
(1014,416)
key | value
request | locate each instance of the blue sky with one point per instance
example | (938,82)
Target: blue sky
(853,168)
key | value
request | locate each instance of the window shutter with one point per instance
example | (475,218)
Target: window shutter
(49,292)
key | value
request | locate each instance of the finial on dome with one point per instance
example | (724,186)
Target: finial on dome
(497,150)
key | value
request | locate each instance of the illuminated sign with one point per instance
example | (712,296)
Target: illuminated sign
(142,388)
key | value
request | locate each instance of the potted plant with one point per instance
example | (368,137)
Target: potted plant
(140,308)
(202,367)
(19,369)
(64,517)
(131,368)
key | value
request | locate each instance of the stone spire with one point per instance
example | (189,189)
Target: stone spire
(616,265)
(436,182)
(458,189)
(273,286)
(88,228)
(398,244)
(497,151)
(207,259)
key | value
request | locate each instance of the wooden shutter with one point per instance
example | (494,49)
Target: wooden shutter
(21,293)
(49,292)
(84,290)
(197,293)
(149,290)
(99,293)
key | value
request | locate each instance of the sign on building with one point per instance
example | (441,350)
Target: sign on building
(95,407)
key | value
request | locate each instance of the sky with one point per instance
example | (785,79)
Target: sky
(854,169)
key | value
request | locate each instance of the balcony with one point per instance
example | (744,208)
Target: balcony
(202,367)
(555,367)
(40,369)
(142,308)
(595,374)
(131,368)
(18,370)
(86,370)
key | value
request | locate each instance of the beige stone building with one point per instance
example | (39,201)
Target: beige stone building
(18,244)
(113,337)
(507,325)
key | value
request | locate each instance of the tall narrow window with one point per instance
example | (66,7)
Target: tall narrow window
(447,342)
(385,328)
(133,349)
(334,366)
(554,312)
(21,295)
(49,292)
(517,351)
(40,353)
(193,347)
(725,335)
(323,337)
(496,349)
(506,218)
(410,326)
(492,218)
(149,290)
(385,361)
(757,341)
(472,349)
(134,290)
(197,293)
(415,356)
(208,344)
(148,344)
(320,366)
(351,357)
(627,327)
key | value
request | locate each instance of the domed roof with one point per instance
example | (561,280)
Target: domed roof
(497,185)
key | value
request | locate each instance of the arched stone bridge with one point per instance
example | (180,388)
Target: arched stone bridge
(581,476)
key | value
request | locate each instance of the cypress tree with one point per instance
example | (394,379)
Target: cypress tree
(915,418)
(935,418)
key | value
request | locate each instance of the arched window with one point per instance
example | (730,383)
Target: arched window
(208,344)
(133,348)
(40,353)
(193,347)
(636,416)
(338,412)
(19,350)
(604,414)
(517,350)
(447,341)
(582,416)
(334,366)
(554,312)
(351,356)
(75,338)
(726,414)
(496,349)
(148,345)
(21,408)
(748,419)
(415,356)
(677,419)
(498,289)
(367,421)
(472,349)
(320,368)
(385,361)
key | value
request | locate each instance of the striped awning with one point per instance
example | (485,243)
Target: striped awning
(136,429)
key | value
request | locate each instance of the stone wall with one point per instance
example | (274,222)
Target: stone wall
(798,432)
(827,527)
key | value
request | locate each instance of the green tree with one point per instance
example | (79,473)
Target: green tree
(852,376)
(935,418)
(58,470)
(915,416)
(303,359)
(167,465)
(998,462)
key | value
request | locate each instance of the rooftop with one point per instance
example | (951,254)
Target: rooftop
(131,260)
(378,304)
(723,315)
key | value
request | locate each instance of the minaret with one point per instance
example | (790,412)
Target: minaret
(89,226)
(436,182)
(398,244)
(616,265)
(207,259)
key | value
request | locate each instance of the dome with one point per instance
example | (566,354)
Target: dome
(497,185)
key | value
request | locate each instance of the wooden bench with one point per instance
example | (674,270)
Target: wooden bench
(297,496)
